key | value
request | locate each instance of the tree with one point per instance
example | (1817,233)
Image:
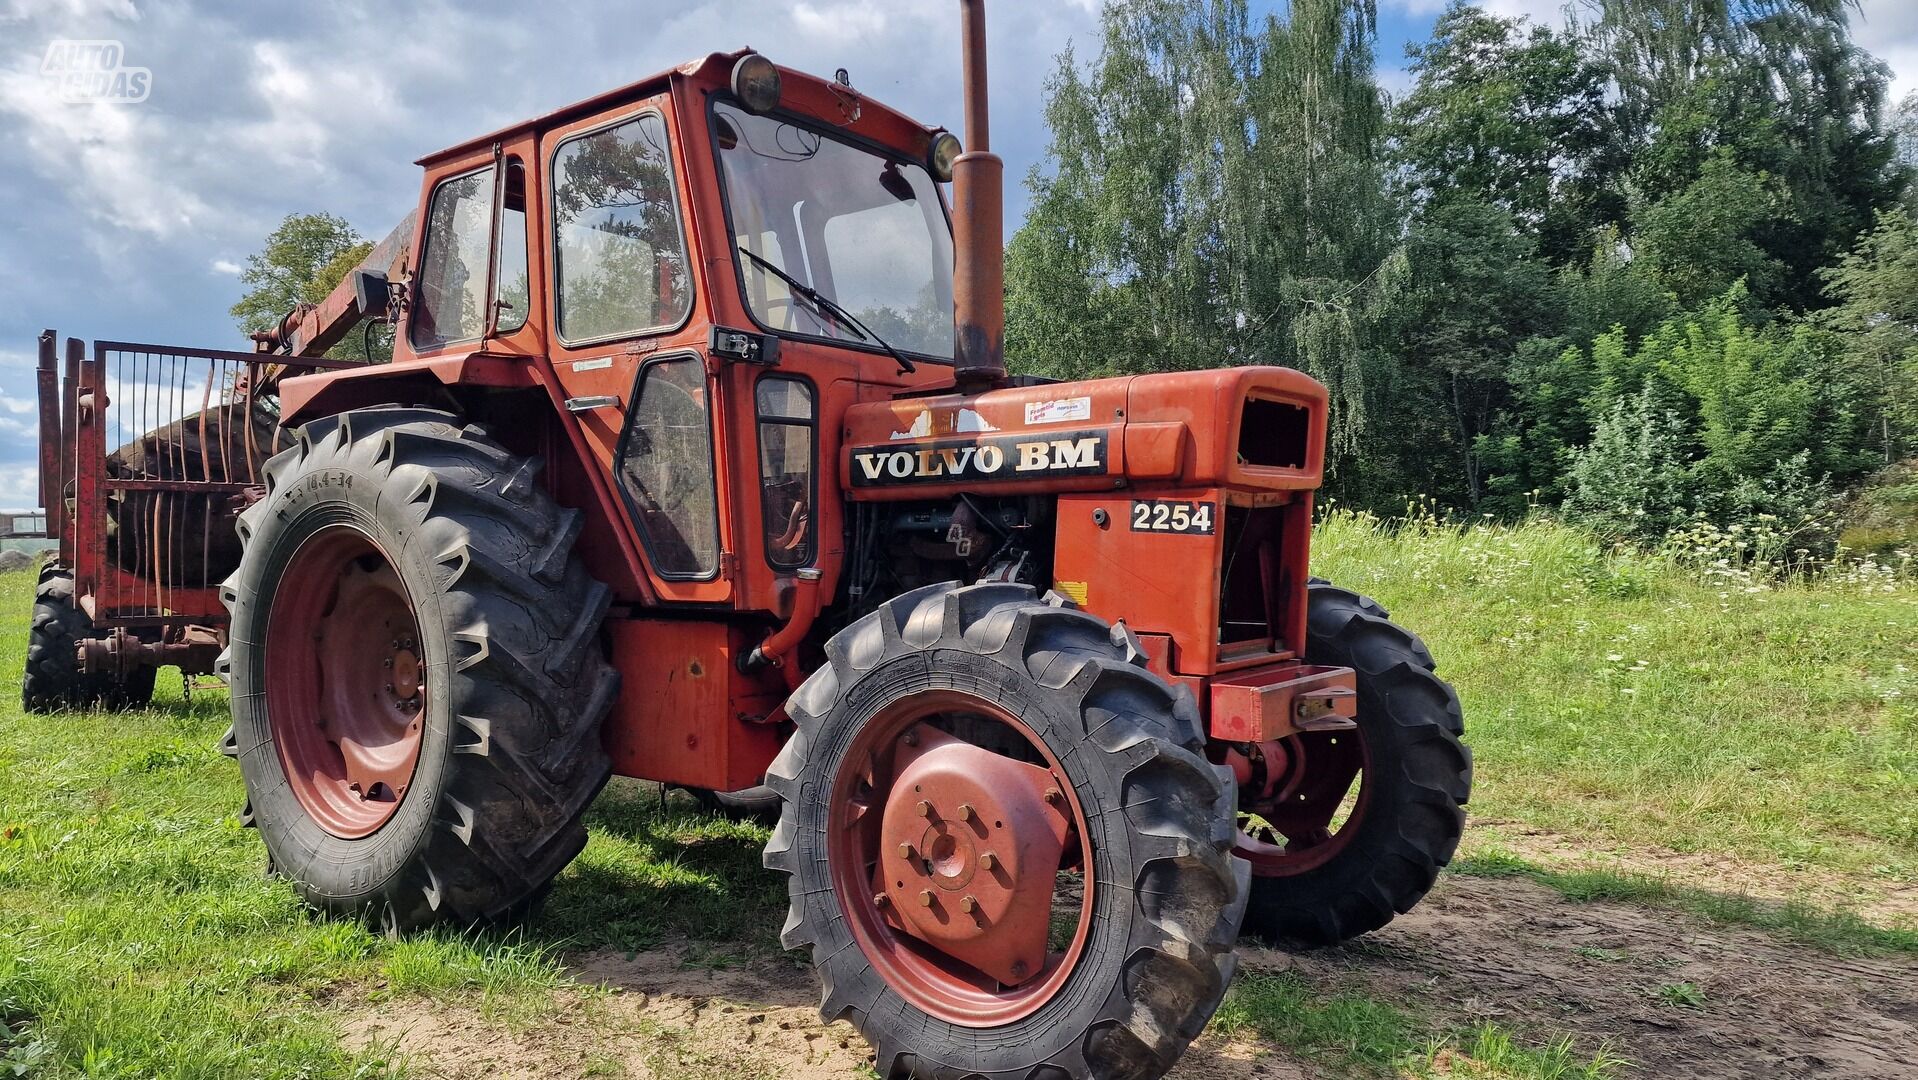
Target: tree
(1703,239)
(301,262)
(1875,286)
(1477,290)
(1510,116)
(1215,194)
(1768,88)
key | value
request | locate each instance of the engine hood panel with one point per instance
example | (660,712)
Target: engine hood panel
(1251,428)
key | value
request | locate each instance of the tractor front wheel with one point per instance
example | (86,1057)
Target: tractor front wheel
(1004,844)
(1362,818)
(416,672)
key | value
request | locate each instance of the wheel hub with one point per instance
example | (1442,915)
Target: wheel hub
(1305,807)
(346,686)
(972,843)
(404,664)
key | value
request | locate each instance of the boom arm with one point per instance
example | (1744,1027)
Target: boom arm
(311,329)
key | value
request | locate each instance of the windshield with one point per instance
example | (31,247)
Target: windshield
(862,229)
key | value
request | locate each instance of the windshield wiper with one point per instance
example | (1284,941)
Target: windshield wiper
(831,307)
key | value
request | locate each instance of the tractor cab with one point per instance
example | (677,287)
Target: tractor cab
(708,259)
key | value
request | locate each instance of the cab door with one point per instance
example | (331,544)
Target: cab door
(627,347)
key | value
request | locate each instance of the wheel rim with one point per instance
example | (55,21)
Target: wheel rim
(1317,806)
(967,954)
(346,681)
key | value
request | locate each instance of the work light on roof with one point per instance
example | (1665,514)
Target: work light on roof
(756,83)
(945,151)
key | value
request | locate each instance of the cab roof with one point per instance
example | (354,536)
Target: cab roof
(714,68)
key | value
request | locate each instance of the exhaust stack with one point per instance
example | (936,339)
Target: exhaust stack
(978,227)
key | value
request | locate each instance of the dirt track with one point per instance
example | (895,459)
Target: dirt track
(1478,949)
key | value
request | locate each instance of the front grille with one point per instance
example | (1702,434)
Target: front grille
(1274,434)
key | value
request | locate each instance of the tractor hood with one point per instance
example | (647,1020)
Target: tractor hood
(1249,428)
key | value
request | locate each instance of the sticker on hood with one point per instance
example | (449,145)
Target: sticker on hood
(1059,410)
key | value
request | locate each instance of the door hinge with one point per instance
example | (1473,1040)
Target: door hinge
(728,565)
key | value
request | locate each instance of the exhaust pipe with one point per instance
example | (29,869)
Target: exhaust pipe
(978,228)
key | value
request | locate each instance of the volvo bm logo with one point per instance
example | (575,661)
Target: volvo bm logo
(1008,457)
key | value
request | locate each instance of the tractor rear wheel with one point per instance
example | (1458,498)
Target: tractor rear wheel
(1367,816)
(53,679)
(1004,844)
(417,677)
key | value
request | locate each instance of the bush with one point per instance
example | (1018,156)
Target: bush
(1632,482)
(1883,517)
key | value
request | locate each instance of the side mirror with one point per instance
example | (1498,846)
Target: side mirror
(372,293)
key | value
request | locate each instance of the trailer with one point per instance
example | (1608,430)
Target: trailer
(147,455)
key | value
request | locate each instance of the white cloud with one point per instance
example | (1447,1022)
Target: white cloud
(225,266)
(833,20)
(1888,29)
(23,10)
(20,486)
(113,158)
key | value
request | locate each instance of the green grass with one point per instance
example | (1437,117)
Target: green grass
(1628,703)
(1351,1033)
(139,935)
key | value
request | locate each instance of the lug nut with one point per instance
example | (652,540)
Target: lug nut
(1052,795)
(925,898)
(880,899)
(965,811)
(986,861)
(912,738)
(967,904)
(905,851)
(925,808)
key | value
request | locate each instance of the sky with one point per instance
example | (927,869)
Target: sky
(131,221)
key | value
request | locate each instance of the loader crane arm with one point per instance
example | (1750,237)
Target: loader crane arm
(311,329)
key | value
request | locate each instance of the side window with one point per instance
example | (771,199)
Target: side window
(513,290)
(666,467)
(617,252)
(786,421)
(450,304)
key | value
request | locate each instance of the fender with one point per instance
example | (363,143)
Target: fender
(309,397)
(607,544)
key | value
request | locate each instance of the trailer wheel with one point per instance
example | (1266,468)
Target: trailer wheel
(53,680)
(416,672)
(1003,843)
(1360,834)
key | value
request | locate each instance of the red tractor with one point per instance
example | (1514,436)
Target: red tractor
(698,461)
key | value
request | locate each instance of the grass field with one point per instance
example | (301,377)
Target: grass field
(1631,706)
(1692,732)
